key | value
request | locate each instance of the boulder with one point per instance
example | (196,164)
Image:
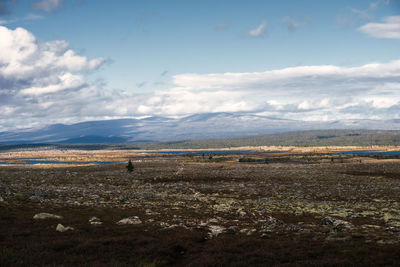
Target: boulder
(44,215)
(130,220)
(215,230)
(61,228)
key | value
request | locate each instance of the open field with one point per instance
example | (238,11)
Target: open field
(304,207)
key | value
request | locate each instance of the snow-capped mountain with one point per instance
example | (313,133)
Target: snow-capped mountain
(197,126)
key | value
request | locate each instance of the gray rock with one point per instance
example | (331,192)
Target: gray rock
(130,220)
(44,215)
(215,230)
(273,222)
(337,224)
(62,228)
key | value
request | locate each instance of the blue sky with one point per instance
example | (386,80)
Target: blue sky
(175,58)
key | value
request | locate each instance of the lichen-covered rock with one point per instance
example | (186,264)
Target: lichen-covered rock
(130,220)
(44,215)
(338,225)
(61,228)
(215,230)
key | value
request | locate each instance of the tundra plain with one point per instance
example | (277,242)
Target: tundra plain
(284,206)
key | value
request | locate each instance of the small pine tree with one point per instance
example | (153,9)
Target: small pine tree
(130,167)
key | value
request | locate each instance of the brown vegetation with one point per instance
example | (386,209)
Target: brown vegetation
(202,212)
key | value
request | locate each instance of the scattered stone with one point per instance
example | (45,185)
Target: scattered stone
(338,225)
(393,229)
(177,225)
(215,230)
(149,212)
(95,221)
(61,228)
(265,235)
(1,199)
(244,231)
(248,231)
(293,228)
(273,222)
(44,215)
(164,224)
(130,220)
(213,220)
(241,212)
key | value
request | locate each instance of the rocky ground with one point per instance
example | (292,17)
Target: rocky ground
(202,213)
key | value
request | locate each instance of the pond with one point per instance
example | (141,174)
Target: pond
(34,161)
(26,161)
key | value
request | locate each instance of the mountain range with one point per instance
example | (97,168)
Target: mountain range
(193,127)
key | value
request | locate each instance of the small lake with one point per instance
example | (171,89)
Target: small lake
(36,161)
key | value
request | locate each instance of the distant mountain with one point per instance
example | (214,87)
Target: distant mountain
(193,127)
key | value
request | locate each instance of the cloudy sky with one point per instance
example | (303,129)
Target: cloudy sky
(66,61)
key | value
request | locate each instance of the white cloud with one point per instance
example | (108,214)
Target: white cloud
(310,76)
(389,28)
(306,92)
(23,58)
(179,101)
(259,31)
(47,5)
(44,82)
(63,82)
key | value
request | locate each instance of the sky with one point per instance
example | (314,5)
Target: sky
(67,61)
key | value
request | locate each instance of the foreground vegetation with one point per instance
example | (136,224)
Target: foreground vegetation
(201,211)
